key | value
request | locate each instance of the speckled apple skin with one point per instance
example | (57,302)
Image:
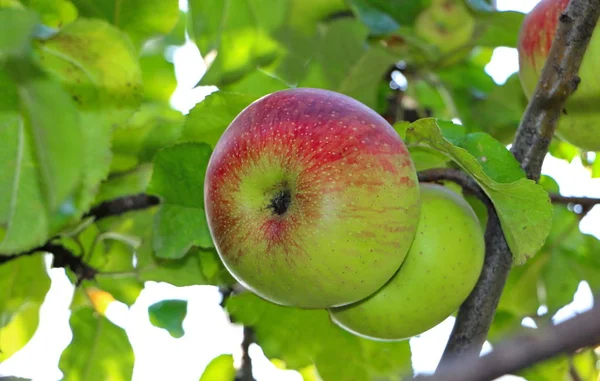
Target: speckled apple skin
(579,123)
(354,199)
(440,271)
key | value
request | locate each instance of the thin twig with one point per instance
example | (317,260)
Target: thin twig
(122,205)
(558,80)
(583,201)
(457,176)
(521,352)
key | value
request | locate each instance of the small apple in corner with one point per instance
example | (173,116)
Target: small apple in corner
(312,199)
(440,271)
(579,122)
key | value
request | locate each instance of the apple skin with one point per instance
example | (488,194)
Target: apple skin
(441,269)
(311,198)
(578,123)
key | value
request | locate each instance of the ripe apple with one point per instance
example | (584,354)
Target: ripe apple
(439,272)
(578,123)
(448,25)
(311,198)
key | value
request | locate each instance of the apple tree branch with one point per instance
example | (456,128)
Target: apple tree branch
(521,352)
(558,80)
(63,257)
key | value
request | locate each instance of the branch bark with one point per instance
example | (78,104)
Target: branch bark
(245,371)
(524,351)
(583,201)
(457,176)
(558,80)
(122,205)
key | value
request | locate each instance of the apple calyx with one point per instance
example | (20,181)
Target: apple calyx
(280,202)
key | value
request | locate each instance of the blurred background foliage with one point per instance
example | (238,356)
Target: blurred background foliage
(87,115)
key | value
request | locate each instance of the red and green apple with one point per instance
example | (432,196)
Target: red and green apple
(579,122)
(439,272)
(311,198)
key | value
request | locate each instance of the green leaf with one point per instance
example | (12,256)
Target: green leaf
(20,329)
(480,5)
(300,337)
(504,324)
(125,289)
(16,31)
(197,267)
(54,13)
(556,368)
(256,83)
(169,315)
(42,154)
(378,21)
(24,283)
(98,351)
(377,13)
(239,33)
(124,184)
(552,277)
(499,113)
(523,207)
(140,19)
(208,120)
(584,363)
(56,137)
(520,296)
(220,368)
(98,66)
(158,75)
(178,178)
(152,127)
(343,62)
(501,28)
(497,162)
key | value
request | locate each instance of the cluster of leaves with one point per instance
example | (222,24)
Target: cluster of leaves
(85,118)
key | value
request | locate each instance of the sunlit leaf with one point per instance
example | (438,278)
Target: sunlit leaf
(238,32)
(99,350)
(220,368)
(23,287)
(140,19)
(42,156)
(53,13)
(208,120)
(98,66)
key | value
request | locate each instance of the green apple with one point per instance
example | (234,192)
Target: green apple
(579,122)
(441,269)
(311,198)
(448,25)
